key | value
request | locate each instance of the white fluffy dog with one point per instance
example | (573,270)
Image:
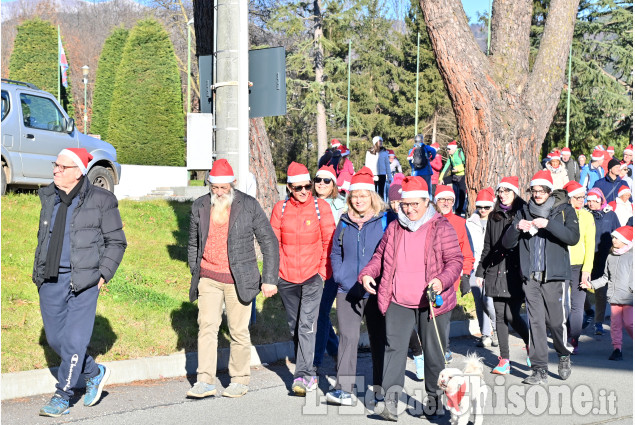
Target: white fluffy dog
(465,391)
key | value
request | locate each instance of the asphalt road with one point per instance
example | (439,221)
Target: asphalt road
(598,391)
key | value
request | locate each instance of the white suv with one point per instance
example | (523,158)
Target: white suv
(35,128)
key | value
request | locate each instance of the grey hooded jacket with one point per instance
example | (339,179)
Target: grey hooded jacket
(618,274)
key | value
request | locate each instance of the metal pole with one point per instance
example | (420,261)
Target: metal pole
(489,27)
(189,66)
(417,90)
(348,106)
(243,94)
(59,70)
(569,96)
(85,111)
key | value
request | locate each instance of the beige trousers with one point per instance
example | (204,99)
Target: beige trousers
(211,295)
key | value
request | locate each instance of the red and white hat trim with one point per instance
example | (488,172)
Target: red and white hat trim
(445,192)
(623,191)
(297,173)
(363,180)
(335,143)
(566,150)
(506,182)
(542,178)
(610,149)
(593,197)
(453,145)
(629,149)
(554,155)
(326,173)
(362,186)
(623,233)
(77,160)
(576,192)
(414,187)
(221,172)
(597,155)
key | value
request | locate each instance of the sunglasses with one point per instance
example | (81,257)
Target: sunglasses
(306,187)
(322,179)
(484,208)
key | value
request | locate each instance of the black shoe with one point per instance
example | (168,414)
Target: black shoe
(616,355)
(564,367)
(537,377)
(387,410)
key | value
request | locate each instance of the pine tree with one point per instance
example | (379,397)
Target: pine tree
(146,122)
(35,60)
(109,65)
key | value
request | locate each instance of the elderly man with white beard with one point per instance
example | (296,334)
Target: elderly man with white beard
(224,267)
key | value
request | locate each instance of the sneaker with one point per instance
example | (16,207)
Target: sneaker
(485,341)
(201,390)
(588,316)
(616,355)
(538,376)
(448,356)
(95,385)
(56,407)
(299,387)
(311,383)
(564,367)
(419,367)
(503,367)
(574,344)
(235,390)
(387,409)
(599,330)
(339,397)
(494,339)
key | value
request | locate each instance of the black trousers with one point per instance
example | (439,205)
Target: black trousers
(545,309)
(302,304)
(399,322)
(380,185)
(575,307)
(508,313)
(349,318)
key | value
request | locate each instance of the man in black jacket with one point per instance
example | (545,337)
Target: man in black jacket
(80,245)
(222,260)
(543,230)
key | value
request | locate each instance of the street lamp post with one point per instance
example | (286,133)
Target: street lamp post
(85,69)
(189,65)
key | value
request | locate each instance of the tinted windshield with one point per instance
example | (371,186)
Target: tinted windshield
(41,112)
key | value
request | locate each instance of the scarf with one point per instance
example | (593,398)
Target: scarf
(360,221)
(622,250)
(54,252)
(543,210)
(505,208)
(414,225)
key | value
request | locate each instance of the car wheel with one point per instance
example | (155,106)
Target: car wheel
(101,177)
(3,188)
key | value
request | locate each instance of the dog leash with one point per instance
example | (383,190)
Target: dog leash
(436,328)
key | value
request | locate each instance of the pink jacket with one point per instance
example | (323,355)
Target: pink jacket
(437,165)
(348,166)
(444,262)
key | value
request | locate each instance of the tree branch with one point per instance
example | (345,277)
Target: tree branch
(511,24)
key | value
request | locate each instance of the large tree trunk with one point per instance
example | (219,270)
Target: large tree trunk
(261,165)
(503,108)
(318,61)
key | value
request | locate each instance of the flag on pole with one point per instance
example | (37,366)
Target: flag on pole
(63,63)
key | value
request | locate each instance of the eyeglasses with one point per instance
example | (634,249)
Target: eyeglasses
(503,190)
(538,192)
(578,198)
(483,208)
(322,179)
(361,196)
(62,167)
(306,187)
(445,200)
(414,205)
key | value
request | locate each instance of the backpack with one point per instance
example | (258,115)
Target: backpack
(419,158)
(384,224)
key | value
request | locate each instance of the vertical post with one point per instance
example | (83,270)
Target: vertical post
(417,89)
(85,112)
(189,65)
(569,96)
(59,69)
(348,103)
(489,27)
(243,94)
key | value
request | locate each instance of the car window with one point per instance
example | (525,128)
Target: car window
(5,104)
(41,113)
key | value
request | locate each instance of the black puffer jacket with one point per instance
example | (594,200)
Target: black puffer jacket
(499,267)
(97,238)
(561,232)
(246,220)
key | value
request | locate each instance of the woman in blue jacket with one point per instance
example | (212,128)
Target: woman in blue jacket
(383,171)
(357,235)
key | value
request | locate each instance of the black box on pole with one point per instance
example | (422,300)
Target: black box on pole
(267,74)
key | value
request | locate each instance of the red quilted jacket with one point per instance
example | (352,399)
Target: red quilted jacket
(443,260)
(305,241)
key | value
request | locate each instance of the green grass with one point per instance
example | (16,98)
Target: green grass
(145,310)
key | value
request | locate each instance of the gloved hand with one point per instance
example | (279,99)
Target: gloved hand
(465,284)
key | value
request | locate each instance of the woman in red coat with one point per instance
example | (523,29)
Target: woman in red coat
(304,227)
(402,291)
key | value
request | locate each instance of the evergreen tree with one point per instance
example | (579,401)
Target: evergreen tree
(146,122)
(35,60)
(109,62)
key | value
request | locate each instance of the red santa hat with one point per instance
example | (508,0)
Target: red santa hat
(574,188)
(363,180)
(566,150)
(542,178)
(623,190)
(453,145)
(597,155)
(612,205)
(391,152)
(624,234)
(485,197)
(629,149)
(335,143)
(444,191)
(221,172)
(510,182)
(435,145)
(414,187)
(610,149)
(80,156)
(595,194)
(343,150)
(326,171)
(554,155)
(297,173)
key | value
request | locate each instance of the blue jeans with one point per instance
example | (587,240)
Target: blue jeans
(325,338)
(484,305)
